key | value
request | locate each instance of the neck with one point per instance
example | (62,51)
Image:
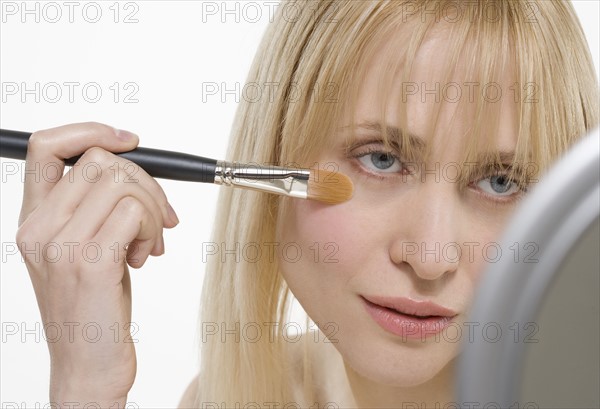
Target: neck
(435,393)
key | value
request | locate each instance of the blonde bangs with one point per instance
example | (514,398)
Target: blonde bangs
(555,94)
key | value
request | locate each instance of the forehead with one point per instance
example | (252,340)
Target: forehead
(436,82)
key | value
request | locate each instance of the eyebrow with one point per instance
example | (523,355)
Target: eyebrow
(394,132)
(418,143)
(506,157)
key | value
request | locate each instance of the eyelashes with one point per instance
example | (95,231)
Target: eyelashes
(376,162)
(500,189)
(372,159)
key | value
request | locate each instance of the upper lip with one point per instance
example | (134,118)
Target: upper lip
(411,307)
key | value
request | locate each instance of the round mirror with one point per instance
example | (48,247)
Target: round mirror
(540,304)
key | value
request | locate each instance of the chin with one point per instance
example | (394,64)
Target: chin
(395,364)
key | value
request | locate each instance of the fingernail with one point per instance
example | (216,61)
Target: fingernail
(125,135)
(162,245)
(172,214)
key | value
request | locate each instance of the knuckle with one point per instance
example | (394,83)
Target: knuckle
(132,206)
(28,243)
(161,195)
(156,190)
(109,184)
(37,140)
(23,235)
(113,178)
(95,154)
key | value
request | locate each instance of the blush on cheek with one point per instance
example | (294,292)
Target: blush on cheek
(332,235)
(330,252)
(323,223)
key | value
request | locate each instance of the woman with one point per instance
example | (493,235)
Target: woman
(441,113)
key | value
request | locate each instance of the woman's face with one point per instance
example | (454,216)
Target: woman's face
(400,234)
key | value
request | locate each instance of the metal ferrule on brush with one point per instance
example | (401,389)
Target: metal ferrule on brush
(273,179)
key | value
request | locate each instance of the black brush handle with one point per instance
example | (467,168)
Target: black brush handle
(156,162)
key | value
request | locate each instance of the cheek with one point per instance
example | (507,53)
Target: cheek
(481,248)
(316,222)
(331,241)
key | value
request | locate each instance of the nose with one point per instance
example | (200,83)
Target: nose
(428,230)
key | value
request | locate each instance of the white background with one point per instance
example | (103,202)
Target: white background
(165,58)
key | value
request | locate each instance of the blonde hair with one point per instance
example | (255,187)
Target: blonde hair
(315,61)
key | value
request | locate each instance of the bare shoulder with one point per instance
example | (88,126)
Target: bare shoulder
(189,396)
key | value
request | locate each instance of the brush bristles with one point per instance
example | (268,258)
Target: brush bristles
(329,187)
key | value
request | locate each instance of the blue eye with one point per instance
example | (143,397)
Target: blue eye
(498,185)
(380,161)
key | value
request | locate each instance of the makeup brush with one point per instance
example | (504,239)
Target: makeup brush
(315,184)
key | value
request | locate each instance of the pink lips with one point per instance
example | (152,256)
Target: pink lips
(407,318)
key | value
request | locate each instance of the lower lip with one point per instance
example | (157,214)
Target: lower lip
(406,326)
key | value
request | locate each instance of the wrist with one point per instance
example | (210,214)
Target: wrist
(74,402)
(90,390)
(80,396)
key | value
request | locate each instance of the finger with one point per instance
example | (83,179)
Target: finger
(100,202)
(129,222)
(101,258)
(47,149)
(96,167)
